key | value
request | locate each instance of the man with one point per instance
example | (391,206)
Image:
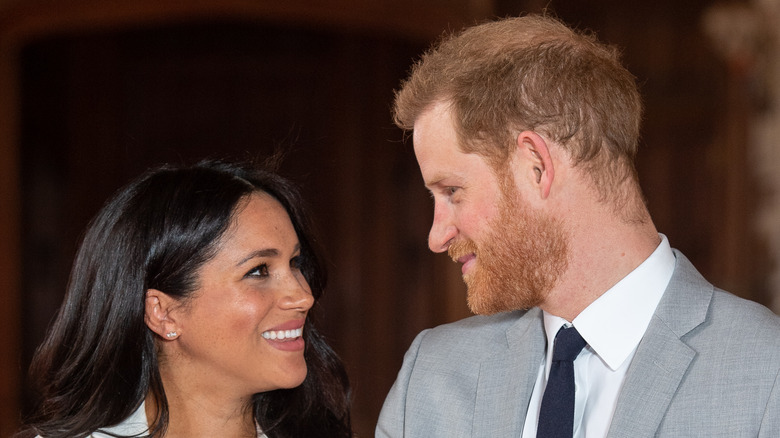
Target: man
(525,132)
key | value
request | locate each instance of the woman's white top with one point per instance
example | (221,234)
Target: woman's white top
(135,425)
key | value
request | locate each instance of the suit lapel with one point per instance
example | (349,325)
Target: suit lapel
(506,379)
(662,358)
(652,379)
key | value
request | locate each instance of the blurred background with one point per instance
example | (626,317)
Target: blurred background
(93,92)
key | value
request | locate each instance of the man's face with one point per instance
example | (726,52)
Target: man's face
(511,256)
(521,256)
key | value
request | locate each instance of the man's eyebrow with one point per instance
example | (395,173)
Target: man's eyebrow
(436,181)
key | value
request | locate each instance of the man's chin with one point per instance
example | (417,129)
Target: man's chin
(478,298)
(487,302)
(479,304)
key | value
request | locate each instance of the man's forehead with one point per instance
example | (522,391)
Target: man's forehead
(433,131)
(438,112)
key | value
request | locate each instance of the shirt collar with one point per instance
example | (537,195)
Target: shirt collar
(614,324)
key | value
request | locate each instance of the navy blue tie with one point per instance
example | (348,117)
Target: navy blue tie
(556,418)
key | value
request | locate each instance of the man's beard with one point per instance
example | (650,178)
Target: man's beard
(519,260)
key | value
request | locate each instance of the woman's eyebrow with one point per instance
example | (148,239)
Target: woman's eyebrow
(260,253)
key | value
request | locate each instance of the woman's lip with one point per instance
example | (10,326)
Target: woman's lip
(287,336)
(289,325)
(295,344)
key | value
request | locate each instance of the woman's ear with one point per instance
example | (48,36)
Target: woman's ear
(158,314)
(535,151)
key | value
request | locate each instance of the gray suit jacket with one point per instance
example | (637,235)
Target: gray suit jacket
(708,366)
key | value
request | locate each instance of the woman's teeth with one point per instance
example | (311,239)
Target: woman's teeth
(280,335)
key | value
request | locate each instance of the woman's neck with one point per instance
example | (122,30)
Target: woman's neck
(193,416)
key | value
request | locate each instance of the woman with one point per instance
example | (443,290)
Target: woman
(187,315)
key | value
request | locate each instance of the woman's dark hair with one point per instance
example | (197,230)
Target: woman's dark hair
(99,359)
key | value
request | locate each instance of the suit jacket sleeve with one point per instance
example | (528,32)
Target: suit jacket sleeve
(391,418)
(770,425)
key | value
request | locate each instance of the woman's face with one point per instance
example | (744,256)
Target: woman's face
(241,331)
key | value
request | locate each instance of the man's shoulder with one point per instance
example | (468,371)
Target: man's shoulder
(744,315)
(477,332)
(694,308)
(690,296)
(480,325)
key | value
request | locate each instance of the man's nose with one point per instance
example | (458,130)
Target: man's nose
(443,230)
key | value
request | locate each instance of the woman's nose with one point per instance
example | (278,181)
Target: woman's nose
(297,293)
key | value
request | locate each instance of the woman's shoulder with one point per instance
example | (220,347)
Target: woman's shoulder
(134,425)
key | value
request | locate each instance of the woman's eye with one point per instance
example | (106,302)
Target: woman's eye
(451,190)
(295,262)
(258,271)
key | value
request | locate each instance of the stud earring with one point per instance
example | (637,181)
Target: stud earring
(171,335)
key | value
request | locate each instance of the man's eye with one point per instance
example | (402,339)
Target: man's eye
(258,271)
(451,190)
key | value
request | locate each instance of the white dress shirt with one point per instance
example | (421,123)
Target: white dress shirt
(612,326)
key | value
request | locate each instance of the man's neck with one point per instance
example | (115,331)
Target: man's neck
(602,250)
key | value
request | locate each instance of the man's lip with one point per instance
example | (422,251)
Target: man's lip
(467,261)
(465,258)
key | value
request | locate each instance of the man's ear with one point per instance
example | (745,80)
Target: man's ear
(538,166)
(158,314)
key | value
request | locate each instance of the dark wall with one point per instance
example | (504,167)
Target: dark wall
(693,160)
(98,106)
